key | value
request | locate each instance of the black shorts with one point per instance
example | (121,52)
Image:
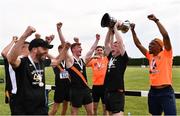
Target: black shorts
(80,96)
(98,93)
(61,93)
(114,101)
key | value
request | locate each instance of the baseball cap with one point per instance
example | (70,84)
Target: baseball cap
(39,43)
(159,41)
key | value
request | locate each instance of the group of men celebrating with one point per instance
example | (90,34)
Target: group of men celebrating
(25,72)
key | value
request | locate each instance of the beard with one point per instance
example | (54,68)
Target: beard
(41,56)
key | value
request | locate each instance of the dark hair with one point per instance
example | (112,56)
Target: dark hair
(100,47)
(26,42)
(75,44)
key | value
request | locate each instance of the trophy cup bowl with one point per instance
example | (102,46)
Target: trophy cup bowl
(108,21)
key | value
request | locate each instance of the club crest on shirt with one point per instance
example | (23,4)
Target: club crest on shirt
(37,80)
(153,67)
(112,63)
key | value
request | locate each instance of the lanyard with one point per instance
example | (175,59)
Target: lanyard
(37,76)
(63,64)
(99,62)
(33,64)
(80,64)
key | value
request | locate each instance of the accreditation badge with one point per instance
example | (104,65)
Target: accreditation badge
(64,74)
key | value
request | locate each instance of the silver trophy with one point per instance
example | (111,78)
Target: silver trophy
(108,21)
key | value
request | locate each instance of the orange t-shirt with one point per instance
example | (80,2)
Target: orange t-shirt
(160,71)
(99,67)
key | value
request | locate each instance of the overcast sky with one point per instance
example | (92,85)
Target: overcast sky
(81,18)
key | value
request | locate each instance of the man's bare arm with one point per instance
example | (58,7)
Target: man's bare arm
(61,56)
(136,40)
(119,38)
(15,52)
(61,36)
(93,47)
(108,42)
(8,47)
(164,33)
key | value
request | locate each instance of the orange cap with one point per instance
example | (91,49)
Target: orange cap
(159,41)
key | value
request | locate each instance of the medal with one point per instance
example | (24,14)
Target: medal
(98,65)
(41,84)
(37,76)
(99,62)
(108,70)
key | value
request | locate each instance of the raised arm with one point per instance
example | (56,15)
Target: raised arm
(93,47)
(61,37)
(164,33)
(15,52)
(37,36)
(62,55)
(119,37)
(76,39)
(108,41)
(8,47)
(49,38)
(136,40)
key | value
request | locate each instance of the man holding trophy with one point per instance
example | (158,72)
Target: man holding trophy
(118,58)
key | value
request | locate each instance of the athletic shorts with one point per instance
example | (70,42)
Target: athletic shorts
(98,93)
(114,101)
(162,100)
(80,96)
(62,93)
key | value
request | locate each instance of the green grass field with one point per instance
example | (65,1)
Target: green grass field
(136,78)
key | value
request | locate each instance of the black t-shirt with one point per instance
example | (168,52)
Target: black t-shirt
(76,81)
(115,72)
(29,91)
(60,81)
